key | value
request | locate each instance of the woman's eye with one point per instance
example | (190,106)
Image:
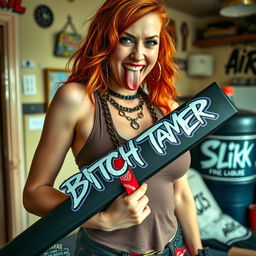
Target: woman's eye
(125,40)
(151,43)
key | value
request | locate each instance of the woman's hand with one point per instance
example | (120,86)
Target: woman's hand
(124,212)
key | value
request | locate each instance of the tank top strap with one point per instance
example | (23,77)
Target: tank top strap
(98,136)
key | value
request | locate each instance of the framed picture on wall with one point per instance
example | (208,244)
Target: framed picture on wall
(53,80)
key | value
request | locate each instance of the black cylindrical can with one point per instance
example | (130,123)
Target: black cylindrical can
(227,162)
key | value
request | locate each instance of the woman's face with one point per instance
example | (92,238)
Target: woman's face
(136,54)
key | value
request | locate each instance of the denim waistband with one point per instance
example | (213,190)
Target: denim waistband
(175,242)
(86,246)
(177,238)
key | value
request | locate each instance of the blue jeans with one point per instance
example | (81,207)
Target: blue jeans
(87,247)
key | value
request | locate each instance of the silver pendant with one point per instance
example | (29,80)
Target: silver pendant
(134,124)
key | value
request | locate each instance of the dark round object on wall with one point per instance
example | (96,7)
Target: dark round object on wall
(43,16)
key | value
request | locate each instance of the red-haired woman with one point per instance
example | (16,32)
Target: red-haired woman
(102,105)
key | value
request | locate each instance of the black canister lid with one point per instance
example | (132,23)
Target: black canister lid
(244,123)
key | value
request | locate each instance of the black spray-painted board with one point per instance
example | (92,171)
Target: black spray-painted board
(95,186)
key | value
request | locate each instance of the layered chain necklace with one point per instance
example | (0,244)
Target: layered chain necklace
(123,110)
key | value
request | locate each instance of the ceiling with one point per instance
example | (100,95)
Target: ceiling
(197,8)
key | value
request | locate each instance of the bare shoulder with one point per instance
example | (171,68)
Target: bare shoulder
(72,97)
(71,94)
(69,105)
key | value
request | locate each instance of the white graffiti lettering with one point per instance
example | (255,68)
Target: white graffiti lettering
(79,185)
(185,121)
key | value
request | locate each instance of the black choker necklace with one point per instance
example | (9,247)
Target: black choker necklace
(121,96)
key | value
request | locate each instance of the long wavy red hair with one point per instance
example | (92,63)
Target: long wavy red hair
(109,22)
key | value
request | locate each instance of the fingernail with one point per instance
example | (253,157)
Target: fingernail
(145,185)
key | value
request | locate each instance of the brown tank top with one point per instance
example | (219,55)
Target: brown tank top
(161,225)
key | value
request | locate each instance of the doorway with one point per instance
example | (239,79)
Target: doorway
(12,213)
(3,219)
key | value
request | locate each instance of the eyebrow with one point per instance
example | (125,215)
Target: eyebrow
(147,38)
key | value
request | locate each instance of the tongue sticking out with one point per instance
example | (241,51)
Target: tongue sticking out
(132,79)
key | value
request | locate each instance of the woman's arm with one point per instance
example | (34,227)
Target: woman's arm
(39,196)
(187,215)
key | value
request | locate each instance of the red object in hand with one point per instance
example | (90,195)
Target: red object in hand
(128,180)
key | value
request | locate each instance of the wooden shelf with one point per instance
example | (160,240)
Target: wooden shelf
(225,40)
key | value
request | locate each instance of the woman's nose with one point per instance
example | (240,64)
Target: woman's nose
(138,52)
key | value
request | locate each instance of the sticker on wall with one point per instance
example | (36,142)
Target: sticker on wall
(15,5)
(36,123)
(241,61)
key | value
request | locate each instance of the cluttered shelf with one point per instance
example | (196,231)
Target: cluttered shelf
(225,40)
